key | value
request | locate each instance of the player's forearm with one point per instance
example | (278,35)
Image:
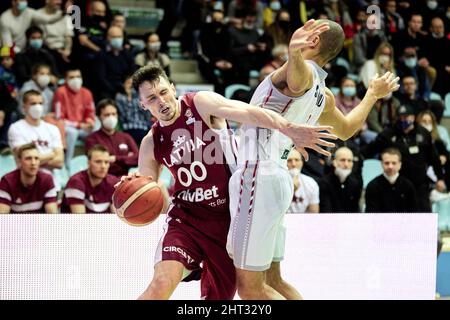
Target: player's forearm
(268,119)
(299,77)
(356,118)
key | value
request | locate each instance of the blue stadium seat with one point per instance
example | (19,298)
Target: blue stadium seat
(343,63)
(443,210)
(62,175)
(443,133)
(8,164)
(435,96)
(77,164)
(447,105)
(371,169)
(229,91)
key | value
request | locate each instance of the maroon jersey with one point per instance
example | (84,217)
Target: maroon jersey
(195,156)
(96,199)
(30,199)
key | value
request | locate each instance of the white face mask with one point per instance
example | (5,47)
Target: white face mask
(43,80)
(342,174)
(294,172)
(36,111)
(429,127)
(384,58)
(391,179)
(75,83)
(110,122)
(154,46)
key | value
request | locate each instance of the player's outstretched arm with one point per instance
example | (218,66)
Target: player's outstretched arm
(303,136)
(346,126)
(296,73)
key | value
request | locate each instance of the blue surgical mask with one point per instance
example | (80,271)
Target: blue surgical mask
(275,6)
(22,5)
(411,62)
(349,91)
(404,124)
(36,43)
(116,43)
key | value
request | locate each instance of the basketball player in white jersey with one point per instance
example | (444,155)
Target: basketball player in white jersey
(261,189)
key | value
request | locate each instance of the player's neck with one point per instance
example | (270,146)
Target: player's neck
(33,122)
(27,180)
(93,180)
(313,57)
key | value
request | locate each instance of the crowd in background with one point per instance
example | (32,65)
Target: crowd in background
(65,89)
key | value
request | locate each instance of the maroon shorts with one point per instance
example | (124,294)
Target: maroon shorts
(200,242)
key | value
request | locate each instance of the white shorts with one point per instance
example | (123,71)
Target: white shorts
(260,195)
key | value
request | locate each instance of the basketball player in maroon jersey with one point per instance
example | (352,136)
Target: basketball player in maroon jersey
(192,140)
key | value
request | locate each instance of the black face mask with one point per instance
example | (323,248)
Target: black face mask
(98,19)
(284,25)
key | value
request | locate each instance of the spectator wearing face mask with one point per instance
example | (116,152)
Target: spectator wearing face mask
(270,12)
(73,104)
(280,32)
(40,80)
(32,129)
(121,146)
(424,76)
(346,100)
(112,65)
(391,192)
(415,144)
(34,53)
(436,50)
(382,62)
(18,18)
(383,114)
(306,189)
(341,189)
(152,54)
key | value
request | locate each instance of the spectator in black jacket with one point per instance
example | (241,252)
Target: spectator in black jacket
(113,65)
(340,190)
(415,145)
(34,53)
(391,192)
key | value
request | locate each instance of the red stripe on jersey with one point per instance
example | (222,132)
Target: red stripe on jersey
(287,105)
(268,97)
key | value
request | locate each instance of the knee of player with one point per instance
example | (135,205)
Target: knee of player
(163,283)
(247,290)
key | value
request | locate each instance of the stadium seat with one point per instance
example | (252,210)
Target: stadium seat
(435,96)
(8,164)
(232,88)
(447,105)
(443,210)
(62,176)
(443,133)
(354,77)
(77,164)
(371,169)
(343,63)
(185,71)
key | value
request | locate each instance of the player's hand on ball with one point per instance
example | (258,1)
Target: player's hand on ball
(130,176)
(380,87)
(306,136)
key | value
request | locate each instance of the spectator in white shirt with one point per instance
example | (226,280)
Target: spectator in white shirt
(16,20)
(306,190)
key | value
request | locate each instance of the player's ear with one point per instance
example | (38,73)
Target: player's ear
(172,86)
(316,41)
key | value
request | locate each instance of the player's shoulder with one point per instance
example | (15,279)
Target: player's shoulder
(11,178)
(78,180)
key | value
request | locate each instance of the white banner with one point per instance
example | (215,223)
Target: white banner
(328,256)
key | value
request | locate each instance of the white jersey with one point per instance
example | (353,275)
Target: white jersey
(266,144)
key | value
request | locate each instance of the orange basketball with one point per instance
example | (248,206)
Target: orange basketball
(138,201)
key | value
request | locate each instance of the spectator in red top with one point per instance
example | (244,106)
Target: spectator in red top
(74,104)
(121,146)
(26,189)
(90,191)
